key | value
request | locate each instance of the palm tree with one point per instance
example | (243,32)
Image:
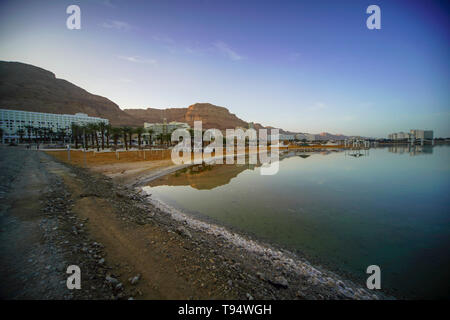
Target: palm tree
(191,132)
(150,134)
(84,129)
(107,134)
(160,137)
(29,130)
(168,137)
(51,134)
(125,131)
(43,134)
(35,133)
(93,127)
(115,133)
(139,131)
(61,134)
(102,128)
(130,136)
(96,138)
(20,133)
(75,133)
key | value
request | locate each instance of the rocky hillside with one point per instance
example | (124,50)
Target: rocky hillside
(29,88)
(211,116)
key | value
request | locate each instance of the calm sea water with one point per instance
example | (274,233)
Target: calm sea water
(388,207)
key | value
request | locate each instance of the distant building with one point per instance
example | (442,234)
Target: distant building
(305,136)
(286,137)
(165,127)
(422,134)
(11,121)
(413,134)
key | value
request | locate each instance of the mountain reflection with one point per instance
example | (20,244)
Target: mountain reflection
(204,176)
(209,176)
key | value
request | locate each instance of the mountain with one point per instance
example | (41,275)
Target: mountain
(29,88)
(211,116)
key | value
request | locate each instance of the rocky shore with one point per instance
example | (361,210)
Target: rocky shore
(130,248)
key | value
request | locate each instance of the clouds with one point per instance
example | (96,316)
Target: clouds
(117,25)
(136,59)
(226,51)
(216,48)
(109,3)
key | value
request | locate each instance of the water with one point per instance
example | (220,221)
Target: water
(388,207)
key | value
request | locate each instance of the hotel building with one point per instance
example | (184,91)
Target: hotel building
(11,121)
(165,127)
(412,134)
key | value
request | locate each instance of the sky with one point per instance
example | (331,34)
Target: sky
(305,66)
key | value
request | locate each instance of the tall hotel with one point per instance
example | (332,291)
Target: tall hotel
(11,121)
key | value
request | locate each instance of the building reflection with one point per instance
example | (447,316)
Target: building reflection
(209,176)
(413,150)
(203,176)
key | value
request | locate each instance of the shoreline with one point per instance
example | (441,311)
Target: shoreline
(270,252)
(266,271)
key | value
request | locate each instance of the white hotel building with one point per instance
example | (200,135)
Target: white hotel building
(13,120)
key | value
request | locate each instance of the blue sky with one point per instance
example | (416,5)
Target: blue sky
(307,66)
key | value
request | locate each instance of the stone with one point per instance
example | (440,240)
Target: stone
(112,280)
(279,282)
(184,232)
(261,275)
(134,279)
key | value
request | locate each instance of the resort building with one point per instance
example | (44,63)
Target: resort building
(305,136)
(399,136)
(413,134)
(422,134)
(286,137)
(12,122)
(165,127)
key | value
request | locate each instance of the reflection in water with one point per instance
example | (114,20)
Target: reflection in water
(413,150)
(203,177)
(356,153)
(209,176)
(340,211)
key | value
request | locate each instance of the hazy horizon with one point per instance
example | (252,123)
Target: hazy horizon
(304,67)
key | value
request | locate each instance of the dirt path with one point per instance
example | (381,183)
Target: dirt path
(162,260)
(37,245)
(22,248)
(33,261)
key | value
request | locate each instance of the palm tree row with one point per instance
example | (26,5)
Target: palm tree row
(93,135)
(41,134)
